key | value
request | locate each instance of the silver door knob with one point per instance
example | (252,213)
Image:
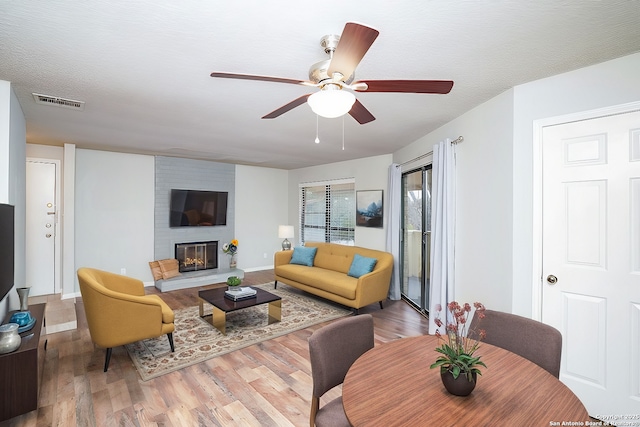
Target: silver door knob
(47,235)
(551,279)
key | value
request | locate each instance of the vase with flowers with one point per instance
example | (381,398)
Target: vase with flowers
(459,368)
(231,249)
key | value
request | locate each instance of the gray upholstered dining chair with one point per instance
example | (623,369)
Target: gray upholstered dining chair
(533,340)
(333,349)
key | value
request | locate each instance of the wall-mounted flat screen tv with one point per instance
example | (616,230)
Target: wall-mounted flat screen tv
(7,248)
(197,208)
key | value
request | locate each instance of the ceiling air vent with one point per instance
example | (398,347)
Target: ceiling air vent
(58,102)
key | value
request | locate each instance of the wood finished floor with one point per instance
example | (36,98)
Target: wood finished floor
(267,384)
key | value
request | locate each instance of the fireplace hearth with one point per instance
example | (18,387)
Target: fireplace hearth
(196,256)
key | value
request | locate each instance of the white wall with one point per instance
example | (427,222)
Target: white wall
(5,125)
(114,215)
(13,180)
(607,84)
(261,205)
(45,152)
(114,212)
(494,241)
(370,173)
(109,189)
(484,199)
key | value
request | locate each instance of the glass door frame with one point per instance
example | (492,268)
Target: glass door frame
(422,302)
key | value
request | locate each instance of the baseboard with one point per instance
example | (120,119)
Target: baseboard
(265,267)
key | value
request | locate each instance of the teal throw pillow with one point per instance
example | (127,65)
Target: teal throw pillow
(361,265)
(303,256)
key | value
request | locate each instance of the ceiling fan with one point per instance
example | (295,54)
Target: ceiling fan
(335,76)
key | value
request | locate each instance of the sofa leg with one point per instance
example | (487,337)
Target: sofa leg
(107,359)
(381,307)
(356,311)
(275,284)
(170,336)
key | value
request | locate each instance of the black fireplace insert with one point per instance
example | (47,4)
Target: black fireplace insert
(195,256)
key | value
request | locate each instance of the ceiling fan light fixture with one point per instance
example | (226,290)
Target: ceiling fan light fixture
(331,103)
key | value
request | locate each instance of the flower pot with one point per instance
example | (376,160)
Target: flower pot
(460,386)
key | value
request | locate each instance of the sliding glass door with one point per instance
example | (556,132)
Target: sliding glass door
(416,237)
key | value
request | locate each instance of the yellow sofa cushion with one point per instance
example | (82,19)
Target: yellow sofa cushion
(333,257)
(331,281)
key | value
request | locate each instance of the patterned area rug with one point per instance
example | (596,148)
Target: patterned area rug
(196,340)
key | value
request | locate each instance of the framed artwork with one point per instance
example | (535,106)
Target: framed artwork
(369,212)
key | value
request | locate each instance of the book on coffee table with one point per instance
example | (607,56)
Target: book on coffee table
(240,294)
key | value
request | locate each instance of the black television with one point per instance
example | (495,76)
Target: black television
(198,208)
(7,248)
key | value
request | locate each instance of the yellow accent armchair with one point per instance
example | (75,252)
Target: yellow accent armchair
(118,312)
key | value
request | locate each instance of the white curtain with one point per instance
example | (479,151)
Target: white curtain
(442,230)
(394,219)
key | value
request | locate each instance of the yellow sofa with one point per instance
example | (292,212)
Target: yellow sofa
(118,311)
(328,277)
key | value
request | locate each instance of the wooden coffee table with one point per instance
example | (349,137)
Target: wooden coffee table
(222,305)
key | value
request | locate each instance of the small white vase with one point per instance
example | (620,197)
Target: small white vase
(9,338)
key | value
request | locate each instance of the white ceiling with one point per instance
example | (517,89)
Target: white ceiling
(143,66)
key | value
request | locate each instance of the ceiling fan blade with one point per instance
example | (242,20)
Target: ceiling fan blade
(354,42)
(290,106)
(406,86)
(261,78)
(360,113)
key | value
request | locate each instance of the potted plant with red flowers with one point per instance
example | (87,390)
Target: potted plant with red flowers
(459,367)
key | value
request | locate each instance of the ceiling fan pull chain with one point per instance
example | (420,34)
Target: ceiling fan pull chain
(317,140)
(342,133)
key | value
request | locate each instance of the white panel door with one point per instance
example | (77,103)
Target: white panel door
(41,225)
(591,245)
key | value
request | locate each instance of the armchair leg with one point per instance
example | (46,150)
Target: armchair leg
(275,284)
(107,359)
(381,307)
(170,336)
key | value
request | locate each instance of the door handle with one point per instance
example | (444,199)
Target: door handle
(551,279)
(47,235)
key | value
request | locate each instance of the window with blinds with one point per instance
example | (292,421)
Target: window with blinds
(327,212)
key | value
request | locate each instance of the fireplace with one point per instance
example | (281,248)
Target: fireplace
(197,256)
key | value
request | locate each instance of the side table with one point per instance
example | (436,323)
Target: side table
(21,370)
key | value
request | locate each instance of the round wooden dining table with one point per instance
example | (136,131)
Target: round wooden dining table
(392,385)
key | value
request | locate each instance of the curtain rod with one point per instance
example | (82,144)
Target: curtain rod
(455,141)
